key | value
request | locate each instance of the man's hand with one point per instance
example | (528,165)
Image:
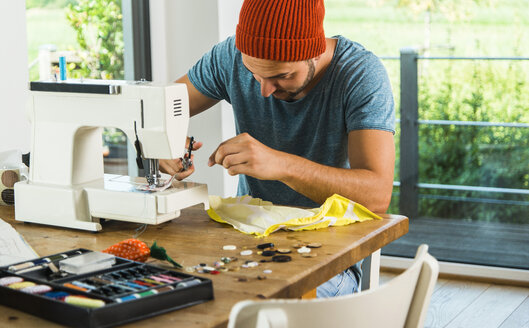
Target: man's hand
(245,155)
(175,167)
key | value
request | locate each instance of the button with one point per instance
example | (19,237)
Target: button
(304,250)
(229,247)
(281,258)
(246,252)
(309,254)
(268,253)
(314,245)
(265,245)
(283,251)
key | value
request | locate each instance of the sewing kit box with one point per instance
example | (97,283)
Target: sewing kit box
(185,290)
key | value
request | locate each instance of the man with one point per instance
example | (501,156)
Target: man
(314,115)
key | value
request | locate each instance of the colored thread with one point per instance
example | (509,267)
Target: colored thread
(137,295)
(38,289)
(62,67)
(126,298)
(164,289)
(170,277)
(83,285)
(148,293)
(188,283)
(10,280)
(69,285)
(152,281)
(101,281)
(133,285)
(57,257)
(57,295)
(143,283)
(161,279)
(20,285)
(84,302)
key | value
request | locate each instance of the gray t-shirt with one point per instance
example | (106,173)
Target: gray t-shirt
(354,94)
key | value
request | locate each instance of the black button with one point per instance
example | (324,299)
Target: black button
(265,245)
(281,258)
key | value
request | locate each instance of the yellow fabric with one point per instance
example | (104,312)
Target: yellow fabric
(256,216)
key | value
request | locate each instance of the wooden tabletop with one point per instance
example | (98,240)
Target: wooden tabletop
(194,238)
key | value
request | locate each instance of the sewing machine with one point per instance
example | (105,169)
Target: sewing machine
(67,186)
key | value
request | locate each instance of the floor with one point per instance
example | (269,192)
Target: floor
(486,243)
(467,304)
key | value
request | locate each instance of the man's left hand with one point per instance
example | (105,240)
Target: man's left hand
(243,154)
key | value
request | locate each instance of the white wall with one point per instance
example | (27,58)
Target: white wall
(14,125)
(181,32)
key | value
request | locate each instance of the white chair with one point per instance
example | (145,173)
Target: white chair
(402,302)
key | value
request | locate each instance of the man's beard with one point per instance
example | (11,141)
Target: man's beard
(291,95)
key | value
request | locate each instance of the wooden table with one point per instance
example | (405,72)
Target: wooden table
(194,238)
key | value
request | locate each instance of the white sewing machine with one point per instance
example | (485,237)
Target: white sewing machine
(67,186)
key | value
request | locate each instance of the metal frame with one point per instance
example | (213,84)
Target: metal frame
(137,39)
(409,139)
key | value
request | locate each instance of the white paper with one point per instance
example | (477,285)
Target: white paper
(13,248)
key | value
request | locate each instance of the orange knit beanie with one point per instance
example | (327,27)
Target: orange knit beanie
(284,30)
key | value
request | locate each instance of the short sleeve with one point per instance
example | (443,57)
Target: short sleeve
(368,97)
(210,75)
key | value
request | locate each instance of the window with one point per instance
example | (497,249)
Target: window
(91,35)
(470,200)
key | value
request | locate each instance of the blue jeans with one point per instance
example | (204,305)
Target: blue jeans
(344,283)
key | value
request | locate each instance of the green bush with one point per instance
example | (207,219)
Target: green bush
(99,28)
(472,155)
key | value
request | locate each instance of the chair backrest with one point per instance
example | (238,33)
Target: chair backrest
(402,302)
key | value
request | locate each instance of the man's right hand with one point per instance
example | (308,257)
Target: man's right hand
(175,166)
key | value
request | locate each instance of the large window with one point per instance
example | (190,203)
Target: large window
(89,35)
(470,200)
